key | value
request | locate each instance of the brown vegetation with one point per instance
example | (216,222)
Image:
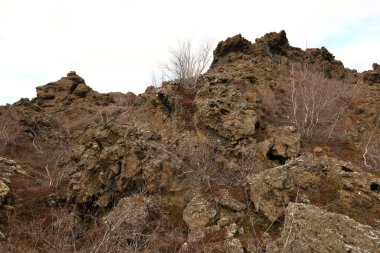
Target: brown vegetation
(319,105)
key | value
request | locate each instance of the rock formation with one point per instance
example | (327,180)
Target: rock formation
(235,164)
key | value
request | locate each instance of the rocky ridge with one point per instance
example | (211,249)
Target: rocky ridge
(222,167)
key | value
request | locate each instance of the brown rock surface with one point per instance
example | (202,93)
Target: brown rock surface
(270,190)
(199,213)
(320,180)
(308,228)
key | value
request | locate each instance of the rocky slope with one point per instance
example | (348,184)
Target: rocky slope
(274,150)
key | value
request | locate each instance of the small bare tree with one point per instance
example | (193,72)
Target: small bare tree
(186,65)
(318,104)
(371,148)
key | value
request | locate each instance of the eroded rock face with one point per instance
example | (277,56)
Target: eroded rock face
(199,213)
(272,43)
(230,114)
(8,169)
(225,199)
(67,87)
(313,179)
(4,191)
(233,44)
(233,246)
(121,161)
(269,191)
(308,228)
(64,91)
(227,112)
(286,144)
(372,76)
(230,103)
(130,214)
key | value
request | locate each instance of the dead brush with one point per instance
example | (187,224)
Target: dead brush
(54,232)
(9,134)
(318,104)
(131,228)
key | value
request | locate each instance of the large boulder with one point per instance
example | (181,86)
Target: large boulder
(131,214)
(283,144)
(233,246)
(286,144)
(199,213)
(270,190)
(120,161)
(230,114)
(227,113)
(308,228)
(318,180)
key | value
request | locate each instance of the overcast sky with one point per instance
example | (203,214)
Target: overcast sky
(115,45)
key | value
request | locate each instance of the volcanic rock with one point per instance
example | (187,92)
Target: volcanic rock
(303,228)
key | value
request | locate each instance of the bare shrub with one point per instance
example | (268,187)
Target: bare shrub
(186,65)
(52,155)
(9,133)
(207,169)
(54,232)
(130,227)
(204,171)
(318,104)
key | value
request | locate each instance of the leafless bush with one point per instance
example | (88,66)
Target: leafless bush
(185,65)
(129,228)
(54,232)
(205,172)
(9,133)
(318,104)
(52,156)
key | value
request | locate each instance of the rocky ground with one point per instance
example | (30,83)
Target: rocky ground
(275,150)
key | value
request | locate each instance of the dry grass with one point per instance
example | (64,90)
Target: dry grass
(69,229)
(56,231)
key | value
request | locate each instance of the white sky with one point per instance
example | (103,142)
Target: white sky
(115,45)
